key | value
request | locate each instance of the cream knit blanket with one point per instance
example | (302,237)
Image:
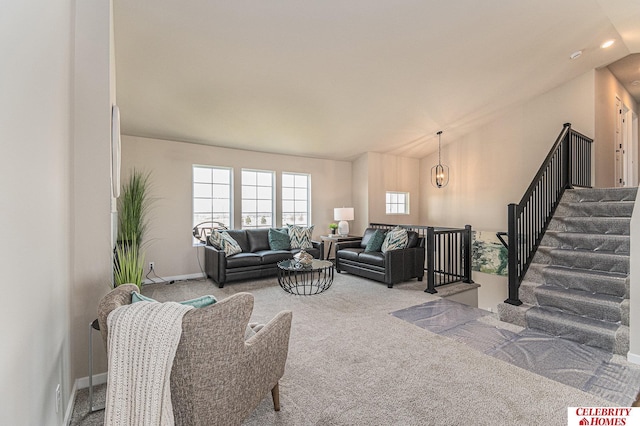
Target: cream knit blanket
(142,342)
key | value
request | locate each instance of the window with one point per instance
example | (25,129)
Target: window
(295,199)
(397,202)
(212,195)
(257,199)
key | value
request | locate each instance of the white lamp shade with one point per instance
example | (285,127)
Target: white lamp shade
(343,213)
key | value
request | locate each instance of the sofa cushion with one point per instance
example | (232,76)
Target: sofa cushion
(240,235)
(413,239)
(375,242)
(279,240)
(300,236)
(223,241)
(372,258)
(274,256)
(350,253)
(243,259)
(258,239)
(396,239)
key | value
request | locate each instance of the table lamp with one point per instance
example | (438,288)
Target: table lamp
(343,214)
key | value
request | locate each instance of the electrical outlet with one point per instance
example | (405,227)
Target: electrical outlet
(58,398)
(152,266)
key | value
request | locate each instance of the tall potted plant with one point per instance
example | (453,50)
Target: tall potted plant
(133,208)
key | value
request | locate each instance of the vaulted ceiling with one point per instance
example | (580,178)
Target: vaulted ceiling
(334,79)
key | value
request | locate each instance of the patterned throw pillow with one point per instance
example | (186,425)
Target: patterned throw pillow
(375,242)
(300,237)
(224,241)
(396,239)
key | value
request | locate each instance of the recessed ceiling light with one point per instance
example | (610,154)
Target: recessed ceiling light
(635,83)
(607,43)
(576,54)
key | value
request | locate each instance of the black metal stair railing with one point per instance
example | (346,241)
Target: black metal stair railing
(568,165)
(447,253)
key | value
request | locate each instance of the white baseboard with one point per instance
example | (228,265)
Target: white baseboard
(71,404)
(633,358)
(81,383)
(98,379)
(175,278)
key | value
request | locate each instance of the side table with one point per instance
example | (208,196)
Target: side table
(334,239)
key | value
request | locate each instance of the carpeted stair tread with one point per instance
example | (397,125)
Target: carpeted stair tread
(595,209)
(583,259)
(592,305)
(618,244)
(596,333)
(577,285)
(613,284)
(600,194)
(596,225)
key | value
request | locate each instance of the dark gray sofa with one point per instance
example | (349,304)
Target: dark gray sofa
(256,260)
(392,267)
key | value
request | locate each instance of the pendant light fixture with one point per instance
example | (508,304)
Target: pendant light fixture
(439,172)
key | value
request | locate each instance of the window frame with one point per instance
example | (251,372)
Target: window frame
(212,212)
(256,199)
(294,199)
(389,203)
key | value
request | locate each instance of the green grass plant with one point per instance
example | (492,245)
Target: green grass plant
(128,265)
(133,208)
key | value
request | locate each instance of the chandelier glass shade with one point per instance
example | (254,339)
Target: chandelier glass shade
(439,172)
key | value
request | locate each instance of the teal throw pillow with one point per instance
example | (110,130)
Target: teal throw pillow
(279,240)
(300,236)
(199,302)
(396,239)
(375,242)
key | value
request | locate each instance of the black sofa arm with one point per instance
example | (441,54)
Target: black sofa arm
(320,246)
(404,264)
(215,264)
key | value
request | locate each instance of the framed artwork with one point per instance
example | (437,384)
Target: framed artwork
(489,255)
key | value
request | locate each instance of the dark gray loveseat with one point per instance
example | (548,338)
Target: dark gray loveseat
(392,267)
(256,260)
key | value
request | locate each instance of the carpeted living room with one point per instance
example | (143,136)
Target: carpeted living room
(504,133)
(351,361)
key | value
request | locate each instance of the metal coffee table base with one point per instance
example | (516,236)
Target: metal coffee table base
(305,281)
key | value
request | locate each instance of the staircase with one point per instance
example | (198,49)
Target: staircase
(577,286)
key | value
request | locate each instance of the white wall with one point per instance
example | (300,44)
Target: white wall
(494,165)
(170,164)
(634,308)
(360,191)
(607,88)
(375,174)
(35,138)
(91,186)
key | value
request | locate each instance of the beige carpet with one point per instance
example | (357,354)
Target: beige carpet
(352,363)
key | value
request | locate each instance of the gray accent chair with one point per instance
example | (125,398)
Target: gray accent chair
(217,377)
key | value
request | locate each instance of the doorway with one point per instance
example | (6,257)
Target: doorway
(626,146)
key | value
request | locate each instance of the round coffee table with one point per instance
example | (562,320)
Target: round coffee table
(305,280)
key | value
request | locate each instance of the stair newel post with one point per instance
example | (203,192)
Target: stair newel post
(431,285)
(514,246)
(467,254)
(566,157)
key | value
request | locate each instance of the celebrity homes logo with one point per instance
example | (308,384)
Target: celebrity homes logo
(602,416)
